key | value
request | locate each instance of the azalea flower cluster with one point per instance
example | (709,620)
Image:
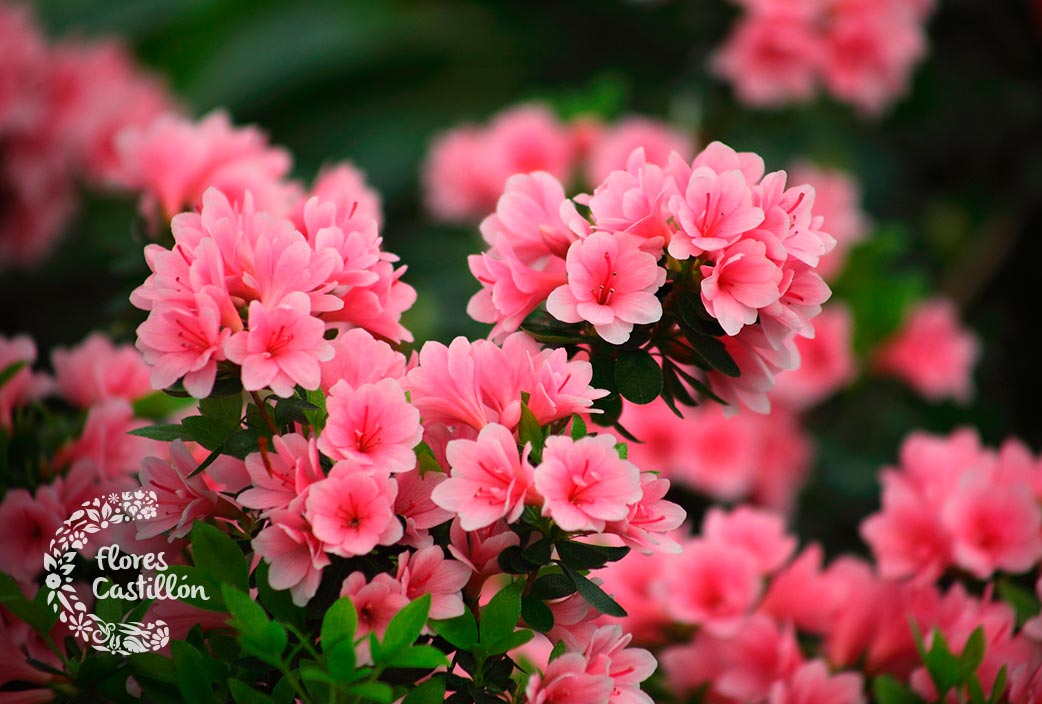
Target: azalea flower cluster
(953,504)
(755,606)
(862,52)
(739,248)
(259,288)
(469,165)
(61,107)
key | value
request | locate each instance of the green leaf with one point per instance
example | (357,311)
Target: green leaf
(942,665)
(507,642)
(694,315)
(10,370)
(193,680)
(531,433)
(216,554)
(423,657)
(242,693)
(340,659)
(373,691)
(887,690)
(578,427)
(37,615)
(316,418)
(204,431)
(406,626)
(293,410)
(430,692)
(999,687)
(594,595)
(972,655)
(623,450)
(152,666)
(537,614)
(461,631)
(242,442)
(163,432)
(500,616)
(1022,600)
(554,585)
(638,376)
(711,353)
(538,553)
(339,623)
(559,649)
(158,404)
(584,556)
(425,459)
(224,410)
(258,635)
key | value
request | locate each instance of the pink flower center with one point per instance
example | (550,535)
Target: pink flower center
(191,337)
(278,341)
(606,290)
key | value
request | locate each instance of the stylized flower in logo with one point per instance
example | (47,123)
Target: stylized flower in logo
(82,626)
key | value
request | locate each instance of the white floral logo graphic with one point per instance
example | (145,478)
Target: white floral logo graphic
(93,516)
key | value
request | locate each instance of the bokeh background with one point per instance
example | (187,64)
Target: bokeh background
(951,176)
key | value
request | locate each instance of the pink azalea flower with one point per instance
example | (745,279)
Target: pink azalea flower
(712,585)
(932,352)
(173,161)
(489,479)
(906,537)
(528,239)
(754,658)
(584,483)
(742,281)
(771,59)
(870,50)
(607,654)
(635,201)
(359,358)
(427,571)
(378,307)
(993,527)
(760,533)
(415,504)
(566,681)
(479,550)
(278,477)
(184,343)
(352,512)
(28,524)
(104,443)
(23,386)
(182,499)
(282,348)
(837,199)
(613,146)
(468,166)
(295,555)
(651,519)
(758,362)
(826,361)
(376,603)
(611,284)
(96,370)
(712,211)
(344,183)
(813,684)
(476,383)
(632,583)
(373,426)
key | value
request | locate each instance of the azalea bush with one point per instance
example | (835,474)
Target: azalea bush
(266,480)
